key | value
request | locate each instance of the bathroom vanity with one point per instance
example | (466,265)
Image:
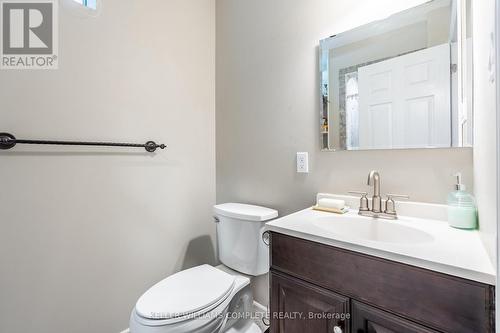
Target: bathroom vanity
(403,82)
(347,273)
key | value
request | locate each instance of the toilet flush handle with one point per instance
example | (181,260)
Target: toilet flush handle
(266,237)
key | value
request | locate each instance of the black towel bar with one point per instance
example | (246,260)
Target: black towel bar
(8,141)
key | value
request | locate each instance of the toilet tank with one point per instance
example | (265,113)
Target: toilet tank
(240,229)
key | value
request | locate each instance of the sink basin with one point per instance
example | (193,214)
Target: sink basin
(357,227)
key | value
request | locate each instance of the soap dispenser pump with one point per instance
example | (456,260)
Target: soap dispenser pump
(462,211)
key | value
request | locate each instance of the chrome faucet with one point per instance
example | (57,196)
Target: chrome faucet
(377,210)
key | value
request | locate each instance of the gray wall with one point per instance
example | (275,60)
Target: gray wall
(268,109)
(84,232)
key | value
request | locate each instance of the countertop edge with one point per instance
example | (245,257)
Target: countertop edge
(460,272)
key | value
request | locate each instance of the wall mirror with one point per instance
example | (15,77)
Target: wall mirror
(399,83)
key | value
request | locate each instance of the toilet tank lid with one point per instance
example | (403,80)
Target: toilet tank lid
(245,212)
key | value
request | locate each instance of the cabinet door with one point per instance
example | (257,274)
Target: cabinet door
(366,319)
(300,307)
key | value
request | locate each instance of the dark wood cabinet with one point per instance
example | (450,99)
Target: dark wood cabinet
(380,296)
(367,319)
(301,307)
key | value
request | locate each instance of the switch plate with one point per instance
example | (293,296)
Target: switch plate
(302,162)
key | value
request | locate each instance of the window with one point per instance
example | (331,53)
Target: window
(352,110)
(88,3)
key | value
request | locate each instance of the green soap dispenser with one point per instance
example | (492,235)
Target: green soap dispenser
(462,211)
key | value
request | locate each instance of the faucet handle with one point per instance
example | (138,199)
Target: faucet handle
(390,205)
(363,202)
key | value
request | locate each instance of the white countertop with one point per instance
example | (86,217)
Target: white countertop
(452,251)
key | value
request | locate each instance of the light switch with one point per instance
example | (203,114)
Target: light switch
(303,162)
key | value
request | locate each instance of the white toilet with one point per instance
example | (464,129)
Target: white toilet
(207,299)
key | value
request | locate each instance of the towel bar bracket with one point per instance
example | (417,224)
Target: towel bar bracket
(7,141)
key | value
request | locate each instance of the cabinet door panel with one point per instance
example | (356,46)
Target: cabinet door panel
(299,307)
(366,319)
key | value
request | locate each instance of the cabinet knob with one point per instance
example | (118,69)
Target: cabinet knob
(337,329)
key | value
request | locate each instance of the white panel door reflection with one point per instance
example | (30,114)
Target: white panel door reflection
(404,102)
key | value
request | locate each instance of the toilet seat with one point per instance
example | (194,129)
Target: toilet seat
(211,319)
(186,295)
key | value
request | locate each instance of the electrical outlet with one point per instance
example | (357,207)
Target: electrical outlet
(303,162)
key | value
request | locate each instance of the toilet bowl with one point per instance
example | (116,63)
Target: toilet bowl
(207,299)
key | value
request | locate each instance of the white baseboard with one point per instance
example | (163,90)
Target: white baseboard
(261,316)
(125,331)
(259,307)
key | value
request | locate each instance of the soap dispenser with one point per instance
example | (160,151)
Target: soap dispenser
(462,211)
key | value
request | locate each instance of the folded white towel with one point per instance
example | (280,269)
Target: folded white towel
(331,203)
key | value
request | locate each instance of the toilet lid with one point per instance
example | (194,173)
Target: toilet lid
(186,292)
(245,212)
